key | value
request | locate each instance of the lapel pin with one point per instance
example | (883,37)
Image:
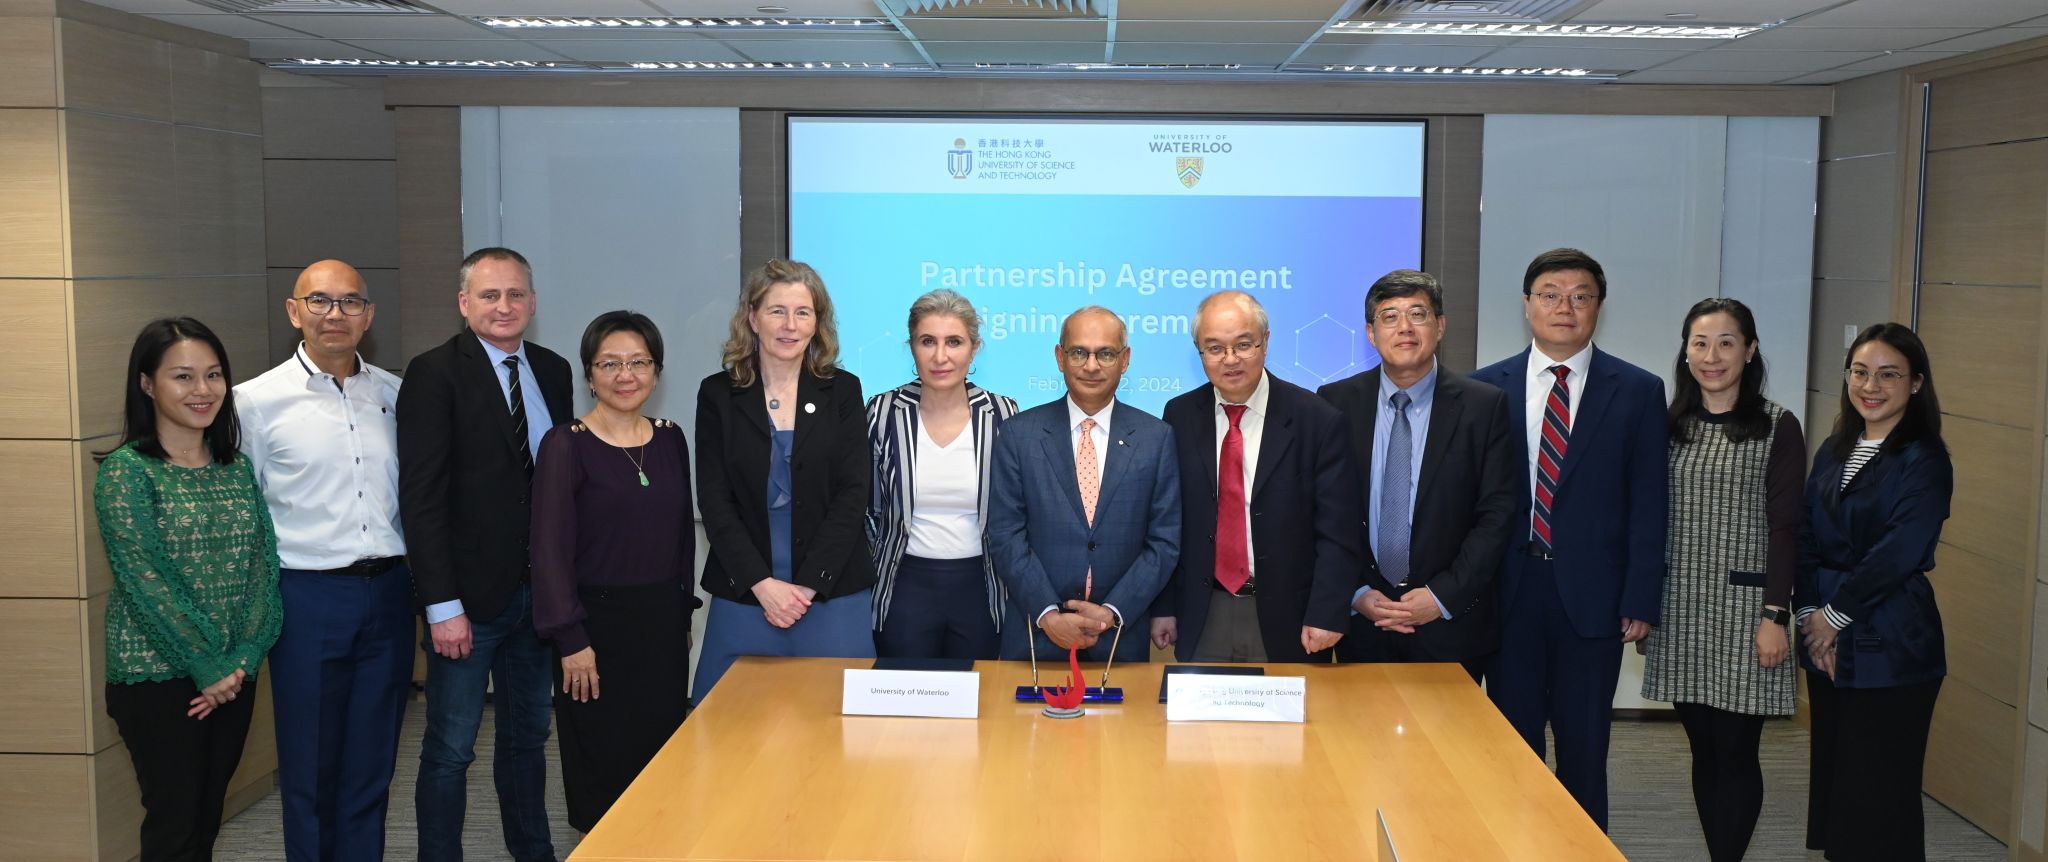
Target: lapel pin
(810,408)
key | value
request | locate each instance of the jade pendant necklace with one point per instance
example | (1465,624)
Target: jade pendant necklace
(639,464)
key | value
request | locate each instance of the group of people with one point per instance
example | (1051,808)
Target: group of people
(1525,521)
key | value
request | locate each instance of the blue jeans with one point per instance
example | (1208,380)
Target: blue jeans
(504,649)
(339,678)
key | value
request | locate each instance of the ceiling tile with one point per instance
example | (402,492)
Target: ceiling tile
(1922,13)
(748,34)
(969,53)
(1228,10)
(634,8)
(364,26)
(1247,53)
(833,50)
(1898,60)
(1710,11)
(1659,76)
(797,8)
(468,49)
(233,26)
(264,49)
(153,7)
(642,50)
(1732,60)
(990,30)
(1832,76)
(1987,39)
(1804,38)
(1397,55)
(1578,57)
(1336,37)
(1295,32)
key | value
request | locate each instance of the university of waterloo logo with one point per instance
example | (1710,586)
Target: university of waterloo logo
(960,160)
(1189,168)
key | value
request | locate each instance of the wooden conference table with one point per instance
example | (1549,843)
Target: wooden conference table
(767,769)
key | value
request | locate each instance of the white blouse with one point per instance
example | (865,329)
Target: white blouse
(945,522)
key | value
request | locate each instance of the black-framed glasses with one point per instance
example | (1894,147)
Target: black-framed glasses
(320,304)
(1579,301)
(1104,355)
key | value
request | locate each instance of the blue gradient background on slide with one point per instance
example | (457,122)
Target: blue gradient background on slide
(870,248)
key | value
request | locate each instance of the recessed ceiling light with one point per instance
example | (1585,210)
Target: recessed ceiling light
(772,10)
(1681,16)
(580,22)
(1517,31)
(1520,73)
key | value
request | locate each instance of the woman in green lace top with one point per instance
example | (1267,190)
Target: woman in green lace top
(195,605)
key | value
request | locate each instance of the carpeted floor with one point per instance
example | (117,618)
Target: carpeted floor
(1651,800)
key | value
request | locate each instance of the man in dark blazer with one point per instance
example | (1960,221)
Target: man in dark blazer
(1439,488)
(1584,571)
(1084,506)
(1269,506)
(470,418)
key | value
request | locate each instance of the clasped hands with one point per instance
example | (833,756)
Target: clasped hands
(1416,609)
(1079,626)
(218,694)
(782,602)
(1819,635)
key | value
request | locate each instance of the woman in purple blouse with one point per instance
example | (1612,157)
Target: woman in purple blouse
(614,544)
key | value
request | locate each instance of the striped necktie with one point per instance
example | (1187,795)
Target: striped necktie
(511,364)
(1557,433)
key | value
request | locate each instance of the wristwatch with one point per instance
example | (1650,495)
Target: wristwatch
(1777,615)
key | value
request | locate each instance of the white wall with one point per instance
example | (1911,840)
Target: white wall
(1676,209)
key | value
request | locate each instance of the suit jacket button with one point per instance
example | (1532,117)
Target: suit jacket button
(1091,546)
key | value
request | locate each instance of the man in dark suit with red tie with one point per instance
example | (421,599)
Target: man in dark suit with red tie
(1270,549)
(1438,490)
(1585,571)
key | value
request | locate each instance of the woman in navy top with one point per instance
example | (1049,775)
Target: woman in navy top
(1875,502)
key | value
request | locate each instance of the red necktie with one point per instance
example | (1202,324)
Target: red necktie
(1233,557)
(1557,432)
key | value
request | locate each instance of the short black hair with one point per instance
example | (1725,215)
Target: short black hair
(1403,283)
(610,322)
(139,412)
(1560,259)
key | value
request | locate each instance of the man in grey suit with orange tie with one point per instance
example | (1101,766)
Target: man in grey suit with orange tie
(1084,506)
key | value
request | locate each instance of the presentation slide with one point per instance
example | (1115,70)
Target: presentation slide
(1033,218)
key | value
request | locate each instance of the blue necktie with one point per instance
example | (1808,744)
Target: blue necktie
(1395,479)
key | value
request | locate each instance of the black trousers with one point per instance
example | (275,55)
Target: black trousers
(939,609)
(641,635)
(1727,777)
(182,764)
(1868,747)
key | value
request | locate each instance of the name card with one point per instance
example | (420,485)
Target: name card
(1202,697)
(914,693)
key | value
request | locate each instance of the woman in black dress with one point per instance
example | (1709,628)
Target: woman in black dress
(613,547)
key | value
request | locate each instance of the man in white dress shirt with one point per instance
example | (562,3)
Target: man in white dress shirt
(321,431)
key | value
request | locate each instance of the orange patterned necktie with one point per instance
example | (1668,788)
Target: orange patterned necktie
(1086,474)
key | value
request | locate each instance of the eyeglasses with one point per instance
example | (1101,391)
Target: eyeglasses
(1242,348)
(1416,314)
(320,304)
(1579,301)
(613,366)
(1889,377)
(1104,355)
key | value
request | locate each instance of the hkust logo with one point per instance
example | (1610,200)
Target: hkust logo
(1189,169)
(960,160)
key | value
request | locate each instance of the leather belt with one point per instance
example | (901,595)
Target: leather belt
(367,568)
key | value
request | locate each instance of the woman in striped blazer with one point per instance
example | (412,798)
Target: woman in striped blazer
(937,595)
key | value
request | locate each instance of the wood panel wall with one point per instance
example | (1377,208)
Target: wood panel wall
(1978,284)
(131,188)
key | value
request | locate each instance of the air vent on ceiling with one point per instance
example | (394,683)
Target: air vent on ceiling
(1479,11)
(1006,9)
(329,6)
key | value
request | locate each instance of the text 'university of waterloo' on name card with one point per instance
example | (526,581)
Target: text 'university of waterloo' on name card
(1197,697)
(913,693)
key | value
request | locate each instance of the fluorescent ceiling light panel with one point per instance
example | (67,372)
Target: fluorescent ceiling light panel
(1514,73)
(1106,67)
(735,66)
(326,64)
(1517,31)
(550,22)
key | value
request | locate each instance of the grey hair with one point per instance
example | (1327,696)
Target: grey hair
(491,253)
(1123,332)
(949,303)
(1245,301)
(1405,282)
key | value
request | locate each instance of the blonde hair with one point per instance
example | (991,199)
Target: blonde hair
(949,303)
(741,354)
